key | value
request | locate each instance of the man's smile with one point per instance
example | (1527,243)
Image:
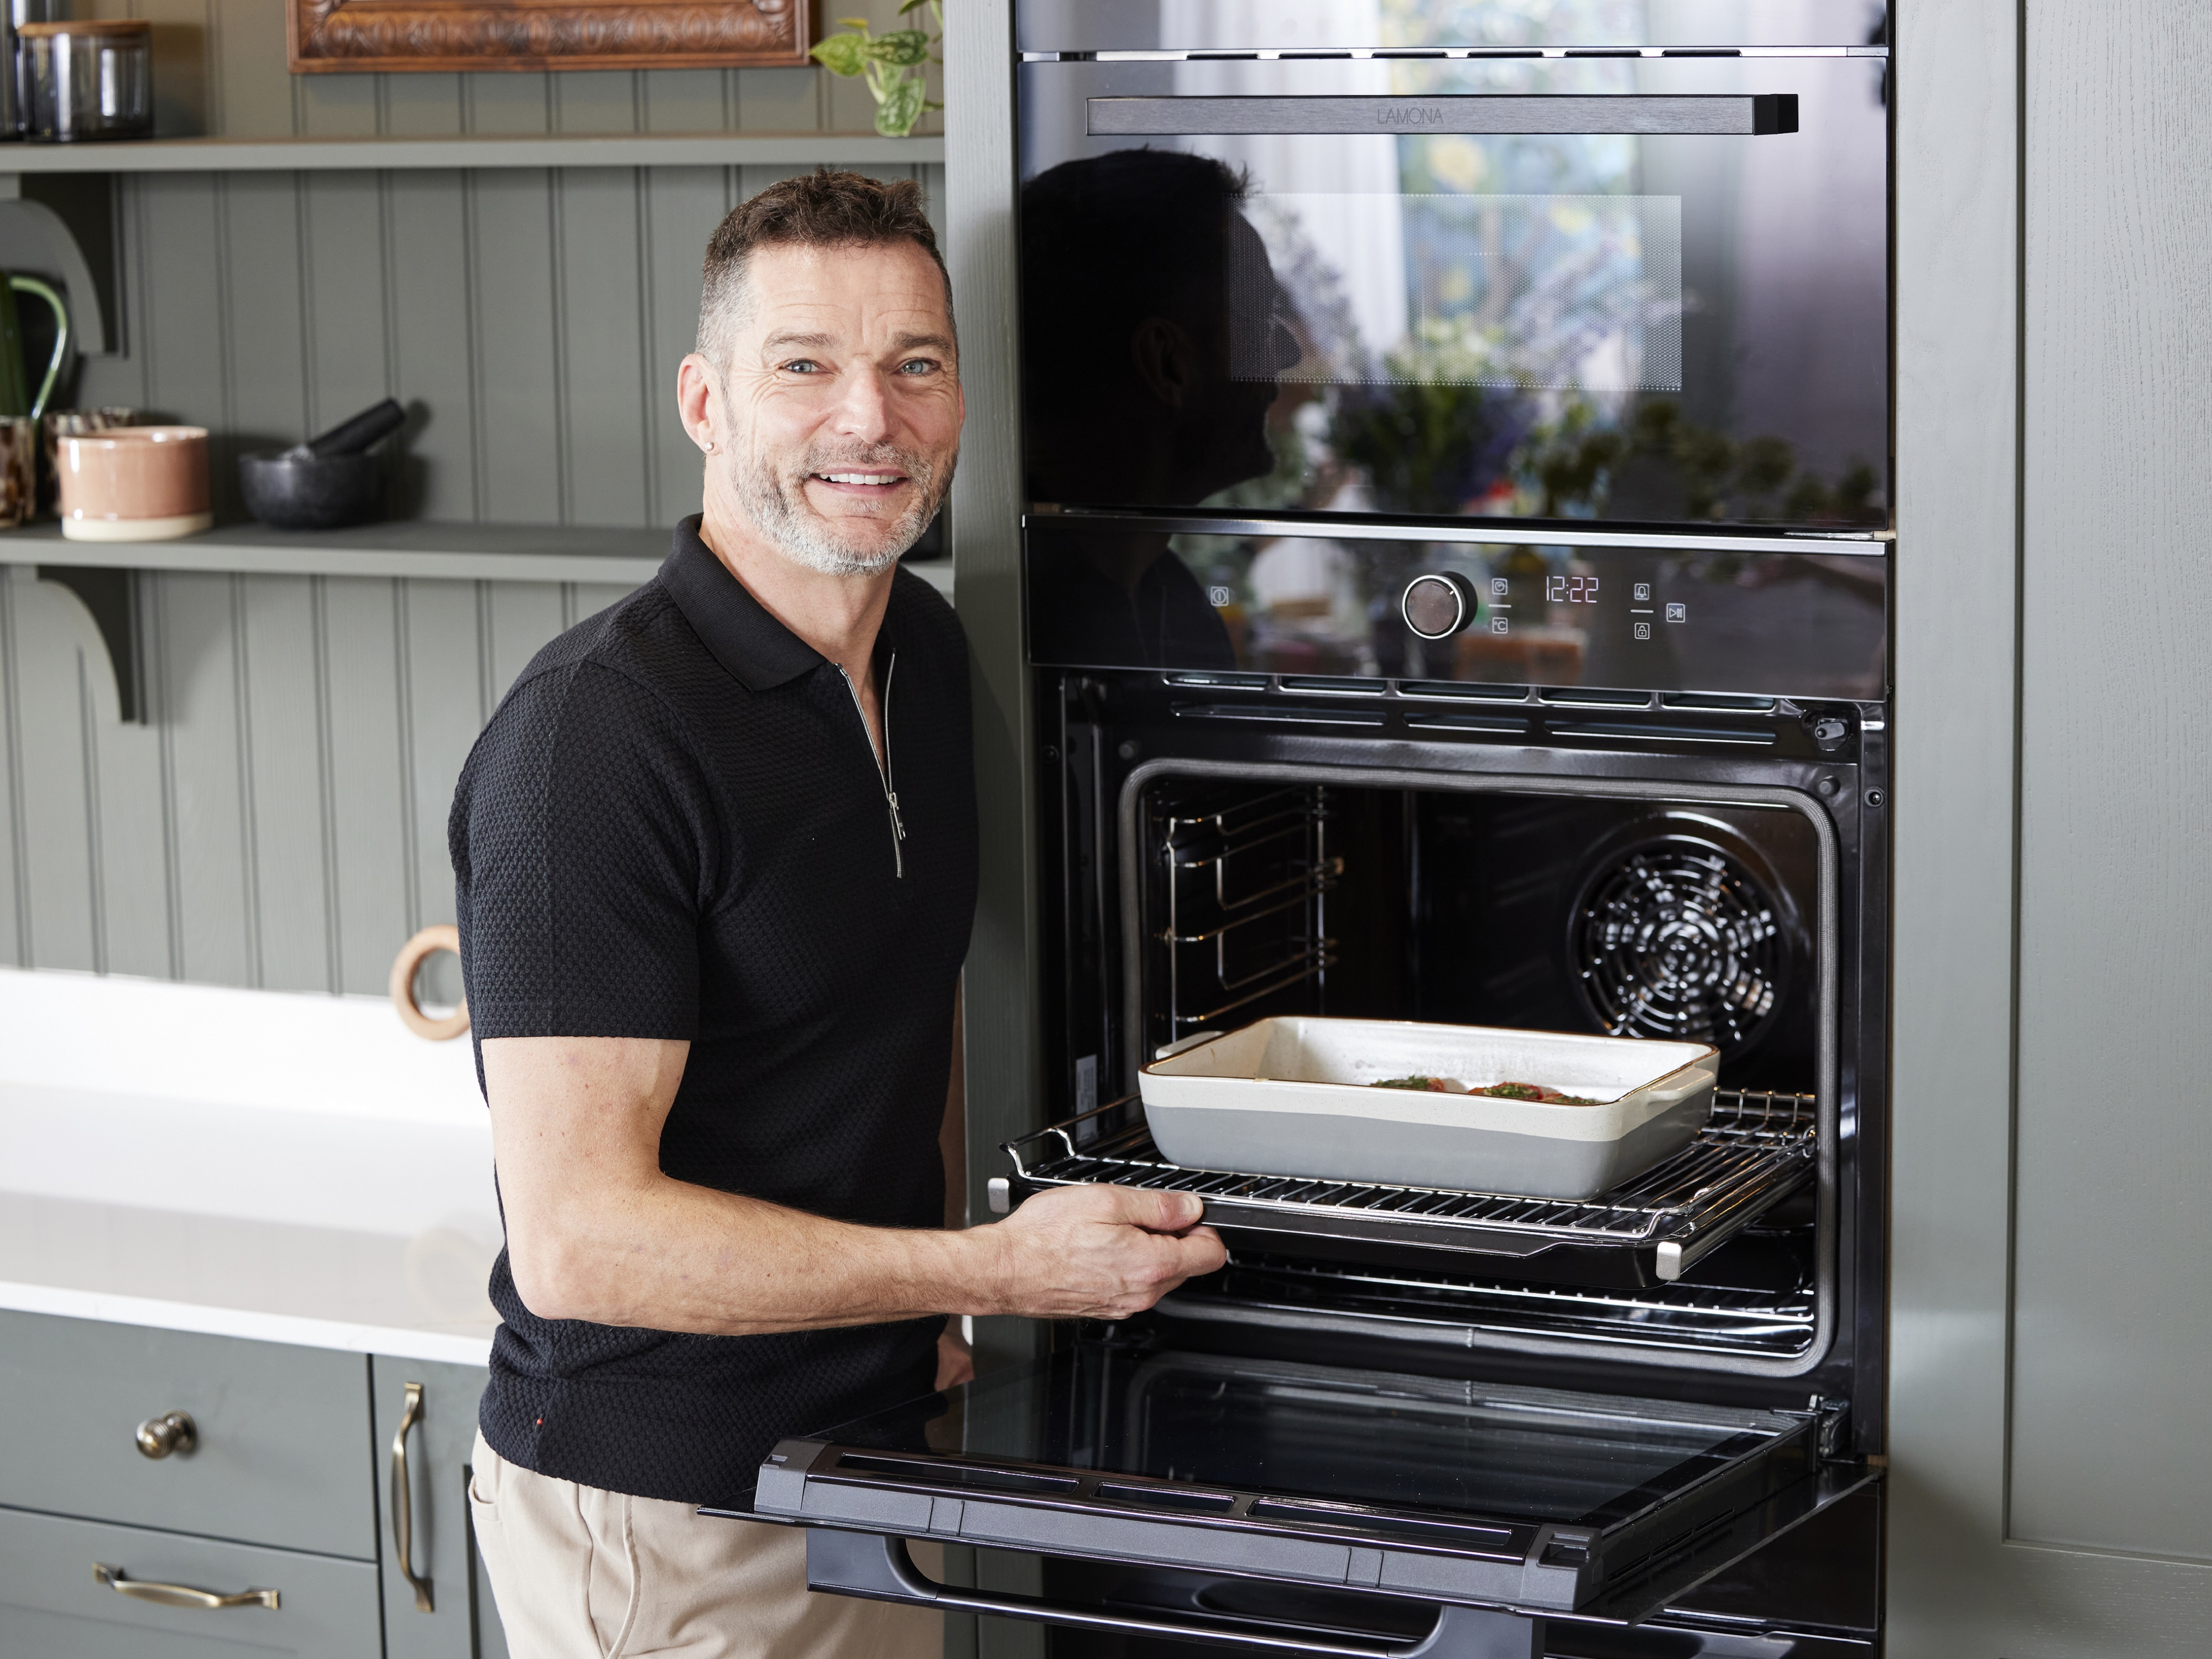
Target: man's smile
(868,484)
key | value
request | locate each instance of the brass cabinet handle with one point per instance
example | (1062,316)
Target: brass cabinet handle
(181,1596)
(403,1499)
(441,936)
(171,1431)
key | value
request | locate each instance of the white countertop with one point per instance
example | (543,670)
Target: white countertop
(284,1168)
(319,1287)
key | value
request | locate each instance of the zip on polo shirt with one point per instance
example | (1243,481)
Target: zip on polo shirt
(884,763)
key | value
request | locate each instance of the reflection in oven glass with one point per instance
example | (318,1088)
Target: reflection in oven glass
(1659,327)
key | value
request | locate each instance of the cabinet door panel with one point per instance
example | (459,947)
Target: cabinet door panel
(52,1605)
(280,1433)
(463,1621)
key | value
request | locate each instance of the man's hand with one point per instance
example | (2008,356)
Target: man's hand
(955,1364)
(1097,1252)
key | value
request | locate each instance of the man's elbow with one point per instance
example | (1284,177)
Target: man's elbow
(553,1276)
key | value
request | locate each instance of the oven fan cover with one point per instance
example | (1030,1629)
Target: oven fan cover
(1675,937)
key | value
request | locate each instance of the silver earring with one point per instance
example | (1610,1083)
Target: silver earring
(710,446)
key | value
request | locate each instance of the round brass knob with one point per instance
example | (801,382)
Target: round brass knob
(1437,605)
(171,1431)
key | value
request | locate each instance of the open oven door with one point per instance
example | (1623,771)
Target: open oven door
(1277,1506)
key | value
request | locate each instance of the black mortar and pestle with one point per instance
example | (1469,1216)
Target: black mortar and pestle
(327,482)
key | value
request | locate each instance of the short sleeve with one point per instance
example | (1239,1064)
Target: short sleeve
(579,841)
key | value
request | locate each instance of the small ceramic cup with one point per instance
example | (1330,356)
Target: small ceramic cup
(62,423)
(140,483)
(19,470)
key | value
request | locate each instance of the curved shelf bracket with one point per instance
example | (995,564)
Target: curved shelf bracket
(110,594)
(36,241)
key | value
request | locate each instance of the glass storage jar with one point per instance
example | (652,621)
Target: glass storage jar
(90,79)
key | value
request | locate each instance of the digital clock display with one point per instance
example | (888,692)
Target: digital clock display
(1571,590)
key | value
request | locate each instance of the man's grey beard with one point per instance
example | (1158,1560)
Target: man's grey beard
(807,539)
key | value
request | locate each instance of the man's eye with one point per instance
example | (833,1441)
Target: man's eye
(802,366)
(918,366)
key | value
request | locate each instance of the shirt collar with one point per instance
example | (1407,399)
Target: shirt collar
(760,652)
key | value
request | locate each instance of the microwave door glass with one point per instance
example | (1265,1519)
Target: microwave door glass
(1643,290)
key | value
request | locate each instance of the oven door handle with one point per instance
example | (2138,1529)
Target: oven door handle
(868,1565)
(1654,115)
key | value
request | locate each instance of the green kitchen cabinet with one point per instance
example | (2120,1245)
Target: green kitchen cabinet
(276,1433)
(91,1590)
(437,1601)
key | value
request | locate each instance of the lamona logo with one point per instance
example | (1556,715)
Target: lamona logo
(1409,115)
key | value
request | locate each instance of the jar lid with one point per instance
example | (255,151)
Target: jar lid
(91,26)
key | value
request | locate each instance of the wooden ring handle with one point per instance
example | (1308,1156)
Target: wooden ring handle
(441,936)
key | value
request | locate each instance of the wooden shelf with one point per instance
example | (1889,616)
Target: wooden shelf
(417,548)
(622,150)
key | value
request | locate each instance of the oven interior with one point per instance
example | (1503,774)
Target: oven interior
(1567,913)
(1582,908)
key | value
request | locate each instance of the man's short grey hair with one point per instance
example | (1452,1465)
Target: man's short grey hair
(823,209)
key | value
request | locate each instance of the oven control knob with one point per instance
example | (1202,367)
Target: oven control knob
(1438,604)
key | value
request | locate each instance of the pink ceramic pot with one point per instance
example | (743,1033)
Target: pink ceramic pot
(140,483)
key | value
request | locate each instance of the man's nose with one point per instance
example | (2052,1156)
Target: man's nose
(864,410)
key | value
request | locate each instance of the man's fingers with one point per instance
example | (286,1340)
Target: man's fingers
(1157,1212)
(1172,1258)
(1199,1251)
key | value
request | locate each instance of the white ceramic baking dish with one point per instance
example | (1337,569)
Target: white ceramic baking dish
(1293,1097)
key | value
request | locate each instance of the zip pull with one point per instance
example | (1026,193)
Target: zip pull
(884,762)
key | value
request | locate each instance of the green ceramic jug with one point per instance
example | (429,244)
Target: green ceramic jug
(15,398)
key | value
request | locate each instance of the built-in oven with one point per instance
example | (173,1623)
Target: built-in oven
(1562,259)
(1406,1415)
(1612,762)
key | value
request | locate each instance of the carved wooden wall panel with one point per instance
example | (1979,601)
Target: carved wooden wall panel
(356,35)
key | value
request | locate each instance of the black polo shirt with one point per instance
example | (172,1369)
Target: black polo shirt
(674,827)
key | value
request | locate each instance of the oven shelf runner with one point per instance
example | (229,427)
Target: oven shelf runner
(1758,1148)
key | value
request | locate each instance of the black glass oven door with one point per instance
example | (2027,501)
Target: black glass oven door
(1643,289)
(1536,1502)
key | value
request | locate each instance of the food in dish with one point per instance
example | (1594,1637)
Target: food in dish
(1443,1085)
(1533,1092)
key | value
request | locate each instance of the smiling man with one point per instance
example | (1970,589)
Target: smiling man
(715,863)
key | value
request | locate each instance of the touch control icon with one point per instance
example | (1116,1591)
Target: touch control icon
(1497,587)
(1498,625)
(1643,630)
(1220,597)
(1678,613)
(1644,592)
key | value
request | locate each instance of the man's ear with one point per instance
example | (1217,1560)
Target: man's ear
(1166,359)
(697,400)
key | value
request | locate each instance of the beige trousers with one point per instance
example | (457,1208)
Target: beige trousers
(584,1574)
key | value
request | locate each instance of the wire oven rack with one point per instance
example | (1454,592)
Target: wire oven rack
(1241,884)
(1758,1148)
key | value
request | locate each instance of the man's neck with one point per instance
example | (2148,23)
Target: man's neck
(838,615)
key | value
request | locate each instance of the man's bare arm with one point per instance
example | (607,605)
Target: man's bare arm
(596,1232)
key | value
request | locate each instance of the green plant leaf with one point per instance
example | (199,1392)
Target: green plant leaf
(904,48)
(911,5)
(900,108)
(843,54)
